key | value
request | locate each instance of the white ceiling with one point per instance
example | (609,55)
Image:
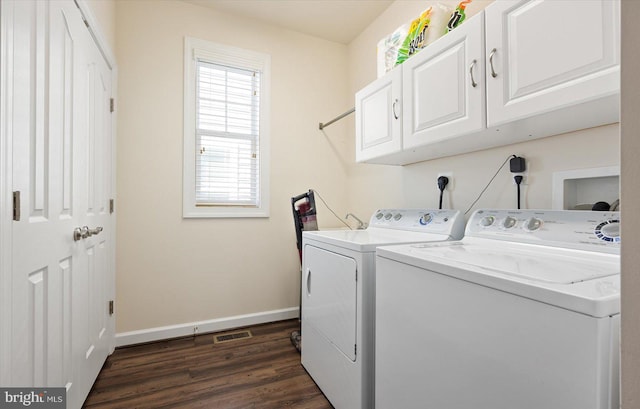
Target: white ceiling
(335,20)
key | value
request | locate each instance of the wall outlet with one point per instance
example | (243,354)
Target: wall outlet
(451,184)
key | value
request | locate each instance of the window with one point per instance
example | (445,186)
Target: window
(225,131)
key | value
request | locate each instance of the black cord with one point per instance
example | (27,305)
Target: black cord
(518,179)
(443,181)
(486,187)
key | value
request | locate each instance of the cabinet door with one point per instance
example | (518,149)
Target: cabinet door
(378,123)
(443,88)
(545,55)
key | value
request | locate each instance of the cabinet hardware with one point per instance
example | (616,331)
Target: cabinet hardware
(493,71)
(473,81)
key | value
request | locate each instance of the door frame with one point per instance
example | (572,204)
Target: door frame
(6,175)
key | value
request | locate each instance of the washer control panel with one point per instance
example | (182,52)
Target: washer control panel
(560,228)
(424,220)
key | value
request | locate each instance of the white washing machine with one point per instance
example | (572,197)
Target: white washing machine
(523,313)
(338,290)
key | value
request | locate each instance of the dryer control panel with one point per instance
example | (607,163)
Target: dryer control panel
(585,230)
(449,222)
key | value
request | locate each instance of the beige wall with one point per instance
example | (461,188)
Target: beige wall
(171,270)
(631,196)
(373,186)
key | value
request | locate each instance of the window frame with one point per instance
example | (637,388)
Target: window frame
(194,50)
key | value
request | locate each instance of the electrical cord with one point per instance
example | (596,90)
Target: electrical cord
(443,181)
(330,209)
(518,180)
(487,186)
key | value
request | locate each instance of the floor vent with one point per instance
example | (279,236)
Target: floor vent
(231,336)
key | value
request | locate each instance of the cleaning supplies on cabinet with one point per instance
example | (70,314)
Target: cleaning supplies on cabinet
(458,16)
(408,39)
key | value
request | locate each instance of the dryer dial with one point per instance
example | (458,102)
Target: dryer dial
(532,224)
(487,221)
(509,222)
(426,219)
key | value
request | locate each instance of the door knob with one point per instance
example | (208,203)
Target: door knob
(84,232)
(93,232)
(80,233)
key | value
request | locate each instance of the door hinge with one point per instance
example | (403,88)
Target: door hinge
(112,205)
(112,105)
(16,206)
(111,307)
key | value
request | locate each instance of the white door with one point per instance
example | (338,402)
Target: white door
(329,299)
(444,87)
(378,117)
(61,138)
(93,146)
(545,55)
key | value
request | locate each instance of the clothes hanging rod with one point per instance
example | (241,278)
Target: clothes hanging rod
(321,126)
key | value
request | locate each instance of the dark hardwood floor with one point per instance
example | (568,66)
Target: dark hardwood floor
(259,372)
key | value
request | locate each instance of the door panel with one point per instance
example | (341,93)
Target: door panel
(547,56)
(378,121)
(59,123)
(441,100)
(329,297)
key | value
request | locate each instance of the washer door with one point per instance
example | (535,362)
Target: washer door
(329,297)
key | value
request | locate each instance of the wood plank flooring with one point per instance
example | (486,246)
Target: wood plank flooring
(263,371)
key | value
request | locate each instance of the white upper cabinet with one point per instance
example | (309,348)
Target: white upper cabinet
(443,87)
(378,122)
(520,70)
(547,55)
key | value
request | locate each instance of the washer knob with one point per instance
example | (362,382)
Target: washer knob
(397,217)
(611,230)
(487,221)
(509,222)
(379,215)
(532,224)
(388,216)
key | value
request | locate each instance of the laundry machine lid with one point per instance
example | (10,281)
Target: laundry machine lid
(529,262)
(581,281)
(367,240)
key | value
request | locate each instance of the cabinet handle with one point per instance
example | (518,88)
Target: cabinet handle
(493,72)
(473,81)
(395,102)
(308,280)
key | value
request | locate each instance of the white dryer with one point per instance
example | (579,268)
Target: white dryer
(338,290)
(523,313)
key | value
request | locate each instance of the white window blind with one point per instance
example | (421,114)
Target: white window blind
(226,131)
(227,135)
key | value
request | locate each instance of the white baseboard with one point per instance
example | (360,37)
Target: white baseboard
(218,324)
